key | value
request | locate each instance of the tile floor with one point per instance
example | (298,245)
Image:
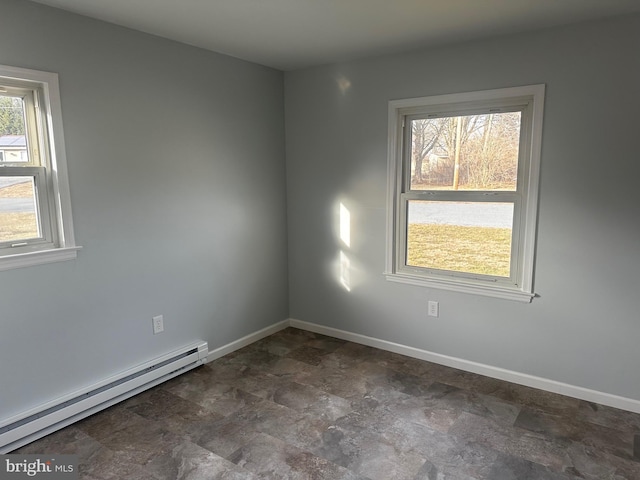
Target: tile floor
(298,405)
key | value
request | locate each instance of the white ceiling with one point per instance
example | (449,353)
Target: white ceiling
(293,34)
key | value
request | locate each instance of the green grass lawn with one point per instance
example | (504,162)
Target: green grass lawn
(17,226)
(482,250)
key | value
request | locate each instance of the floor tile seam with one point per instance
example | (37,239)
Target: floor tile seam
(574,437)
(279,405)
(244,470)
(406,371)
(104,442)
(388,414)
(482,395)
(319,391)
(522,403)
(288,434)
(444,465)
(296,448)
(352,432)
(231,386)
(604,453)
(244,444)
(630,429)
(195,405)
(610,429)
(556,474)
(548,435)
(192,443)
(96,439)
(163,430)
(115,454)
(86,463)
(608,455)
(549,467)
(503,446)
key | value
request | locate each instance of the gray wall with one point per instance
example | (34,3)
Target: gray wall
(176,166)
(584,328)
(176,161)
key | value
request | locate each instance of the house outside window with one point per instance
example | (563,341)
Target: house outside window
(463,191)
(13,148)
(35,210)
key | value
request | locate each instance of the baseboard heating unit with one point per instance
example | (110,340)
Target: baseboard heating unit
(45,419)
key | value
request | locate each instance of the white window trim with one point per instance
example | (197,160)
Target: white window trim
(398,109)
(65,247)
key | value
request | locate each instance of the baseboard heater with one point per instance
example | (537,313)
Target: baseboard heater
(45,419)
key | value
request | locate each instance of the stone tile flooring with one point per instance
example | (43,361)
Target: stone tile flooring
(298,405)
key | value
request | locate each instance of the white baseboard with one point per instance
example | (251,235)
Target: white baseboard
(574,391)
(581,393)
(246,340)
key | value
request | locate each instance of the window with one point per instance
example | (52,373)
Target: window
(35,209)
(463,186)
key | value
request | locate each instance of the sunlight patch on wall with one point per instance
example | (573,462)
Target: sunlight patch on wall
(342,265)
(344,84)
(345,225)
(345,271)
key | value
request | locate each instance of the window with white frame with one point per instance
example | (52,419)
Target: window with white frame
(35,210)
(463,191)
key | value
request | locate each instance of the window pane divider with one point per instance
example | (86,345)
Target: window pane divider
(473,197)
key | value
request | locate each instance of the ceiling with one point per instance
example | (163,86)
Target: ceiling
(293,34)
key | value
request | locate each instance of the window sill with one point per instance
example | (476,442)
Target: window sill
(495,291)
(40,257)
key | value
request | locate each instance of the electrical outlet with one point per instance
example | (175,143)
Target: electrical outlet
(433,309)
(158,324)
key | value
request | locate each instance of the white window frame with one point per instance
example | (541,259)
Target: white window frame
(519,286)
(48,167)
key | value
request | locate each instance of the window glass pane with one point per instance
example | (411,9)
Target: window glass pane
(471,152)
(13,143)
(18,217)
(460,236)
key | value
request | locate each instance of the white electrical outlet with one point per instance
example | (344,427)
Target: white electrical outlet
(433,309)
(158,324)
